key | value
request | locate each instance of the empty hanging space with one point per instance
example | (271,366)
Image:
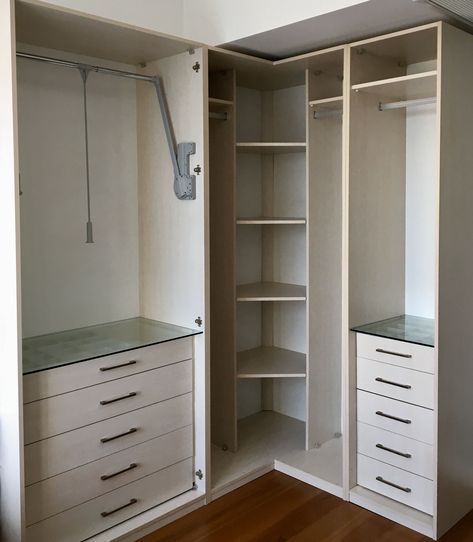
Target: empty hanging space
(393,173)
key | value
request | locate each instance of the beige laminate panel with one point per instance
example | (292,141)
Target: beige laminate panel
(107,510)
(88,373)
(55,455)
(76,486)
(69,411)
(455,297)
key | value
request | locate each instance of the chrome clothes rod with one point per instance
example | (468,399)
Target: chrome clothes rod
(184,183)
(406,103)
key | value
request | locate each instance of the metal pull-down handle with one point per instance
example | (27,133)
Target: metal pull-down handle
(391,383)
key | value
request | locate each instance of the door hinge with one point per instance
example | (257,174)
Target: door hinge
(198,321)
(196,67)
(197,169)
(199,474)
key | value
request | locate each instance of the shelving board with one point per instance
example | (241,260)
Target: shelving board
(217,105)
(327,104)
(270,147)
(270,220)
(406,87)
(270,362)
(271,291)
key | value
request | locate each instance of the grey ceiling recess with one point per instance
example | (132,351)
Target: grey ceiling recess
(460,9)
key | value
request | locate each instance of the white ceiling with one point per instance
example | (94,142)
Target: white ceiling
(342,26)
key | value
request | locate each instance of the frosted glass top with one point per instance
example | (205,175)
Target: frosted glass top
(75,345)
(410,329)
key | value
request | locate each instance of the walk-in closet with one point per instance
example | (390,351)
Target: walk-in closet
(217,265)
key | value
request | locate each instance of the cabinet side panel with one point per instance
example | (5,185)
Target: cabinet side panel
(11,429)
(325,276)
(222,272)
(455,301)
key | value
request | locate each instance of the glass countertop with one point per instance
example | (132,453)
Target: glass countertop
(76,345)
(410,329)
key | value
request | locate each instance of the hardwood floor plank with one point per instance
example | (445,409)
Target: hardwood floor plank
(278,508)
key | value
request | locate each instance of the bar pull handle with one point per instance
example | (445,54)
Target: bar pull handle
(118,366)
(390,450)
(110,512)
(391,383)
(129,432)
(120,398)
(131,466)
(395,418)
(392,484)
(391,353)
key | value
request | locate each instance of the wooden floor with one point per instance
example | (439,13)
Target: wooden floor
(276,508)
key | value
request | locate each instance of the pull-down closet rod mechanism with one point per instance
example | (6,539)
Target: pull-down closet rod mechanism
(184,183)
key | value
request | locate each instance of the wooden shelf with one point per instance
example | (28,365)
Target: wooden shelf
(271,291)
(270,220)
(407,87)
(270,147)
(271,362)
(218,101)
(336,102)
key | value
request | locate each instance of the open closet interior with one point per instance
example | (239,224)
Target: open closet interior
(275,156)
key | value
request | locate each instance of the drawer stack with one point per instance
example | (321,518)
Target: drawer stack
(395,413)
(107,439)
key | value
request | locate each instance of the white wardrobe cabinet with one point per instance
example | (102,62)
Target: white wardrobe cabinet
(313,298)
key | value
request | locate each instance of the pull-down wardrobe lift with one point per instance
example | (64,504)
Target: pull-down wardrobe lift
(330,193)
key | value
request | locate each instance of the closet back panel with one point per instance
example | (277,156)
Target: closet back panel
(67,283)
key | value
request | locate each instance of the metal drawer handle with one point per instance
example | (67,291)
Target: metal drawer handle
(129,432)
(110,512)
(118,366)
(386,449)
(391,353)
(379,413)
(391,383)
(388,483)
(126,469)
(115,399)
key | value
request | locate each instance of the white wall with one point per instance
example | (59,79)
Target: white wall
(420,210)
(220,21)
(67,283)
(208,21)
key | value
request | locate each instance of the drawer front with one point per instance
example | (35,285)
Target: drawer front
(106,511)
(396,484)
(62,413)
(396,382)
(400,353)
(405,453)
(408,420)
(82,484)
(58,454)
(89,373)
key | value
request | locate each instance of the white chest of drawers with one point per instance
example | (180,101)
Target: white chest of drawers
(107,439)
(395,413)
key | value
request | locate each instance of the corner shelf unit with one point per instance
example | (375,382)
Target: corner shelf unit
(270,291)
(270,147)
(271,362)
(271,221)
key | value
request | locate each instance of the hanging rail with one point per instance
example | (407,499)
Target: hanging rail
(184,183)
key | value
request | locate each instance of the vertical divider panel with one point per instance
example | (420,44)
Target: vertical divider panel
(11,403)
(174,233)
(324,228)
(222,266)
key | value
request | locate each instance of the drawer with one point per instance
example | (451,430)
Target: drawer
(408,420)
(106,511)
(96,371)
(405,453)
(61,413)
(396,484)
(396,382)
(400,353)
(58,454)
(79,485)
